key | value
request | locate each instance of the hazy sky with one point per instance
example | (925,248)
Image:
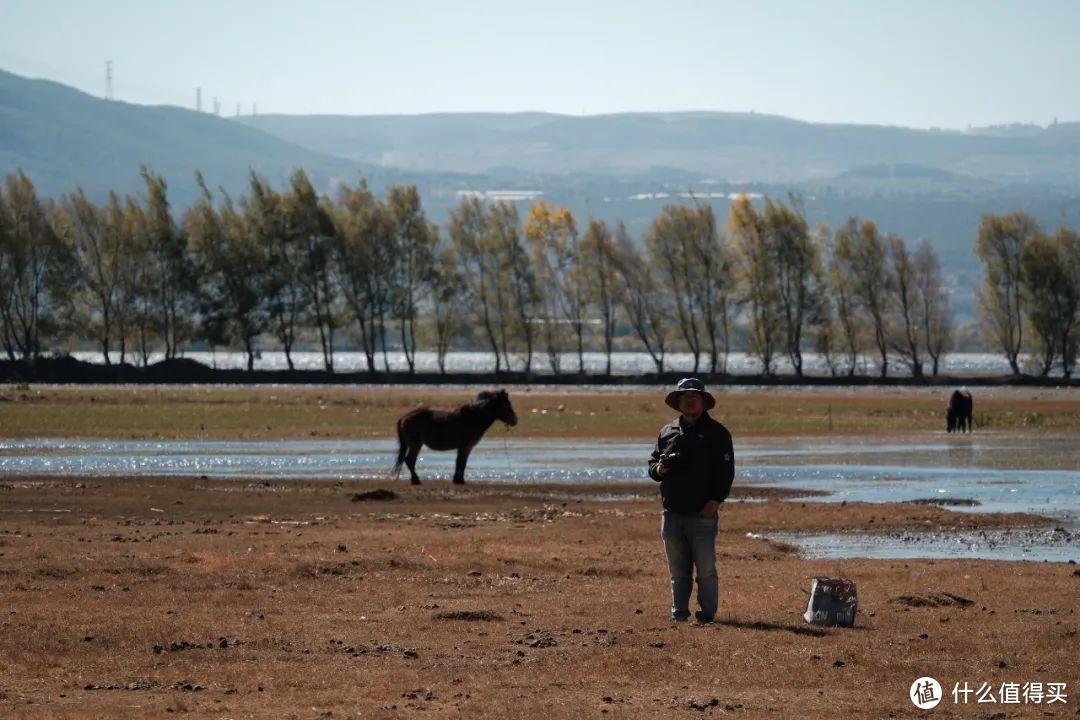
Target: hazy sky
(947,63)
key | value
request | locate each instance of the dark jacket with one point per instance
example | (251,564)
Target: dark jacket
(706,464)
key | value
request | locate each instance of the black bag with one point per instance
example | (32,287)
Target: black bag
(833,601)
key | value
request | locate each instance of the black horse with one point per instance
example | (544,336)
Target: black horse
(958,414)
(459,429)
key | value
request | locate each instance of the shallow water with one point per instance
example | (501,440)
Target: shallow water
(622,363)
(1000,472)
(1035,545)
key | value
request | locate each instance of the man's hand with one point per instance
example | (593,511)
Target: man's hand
(662,469)
(709,509)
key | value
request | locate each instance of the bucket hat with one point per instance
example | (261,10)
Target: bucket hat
(689,385)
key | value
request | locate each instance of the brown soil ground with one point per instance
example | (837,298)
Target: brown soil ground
(135,597)
(128,597)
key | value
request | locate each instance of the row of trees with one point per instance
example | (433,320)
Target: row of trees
(282,267)
(1030,280)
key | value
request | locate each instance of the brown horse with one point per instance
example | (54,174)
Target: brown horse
(958,414)
(459,429)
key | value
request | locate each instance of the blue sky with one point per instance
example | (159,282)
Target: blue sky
(950,63)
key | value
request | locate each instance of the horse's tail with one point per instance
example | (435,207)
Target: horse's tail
(403,447)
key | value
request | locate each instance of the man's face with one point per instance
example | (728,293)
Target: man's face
(691,403)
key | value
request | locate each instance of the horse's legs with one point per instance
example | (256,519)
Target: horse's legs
(459,466)
(410,462)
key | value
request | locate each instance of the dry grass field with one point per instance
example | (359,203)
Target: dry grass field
(139,412)
(160,597)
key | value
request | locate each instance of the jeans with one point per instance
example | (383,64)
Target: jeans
(690,542)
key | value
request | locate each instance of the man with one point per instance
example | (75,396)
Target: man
(694,463)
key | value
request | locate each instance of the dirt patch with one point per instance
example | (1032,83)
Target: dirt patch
(946,502)
(377,494)
(932,599)
(469,615)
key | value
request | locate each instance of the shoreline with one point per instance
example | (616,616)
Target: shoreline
(67,370)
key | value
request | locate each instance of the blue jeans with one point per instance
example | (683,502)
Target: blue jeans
(690,542)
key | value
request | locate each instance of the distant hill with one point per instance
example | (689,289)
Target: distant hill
(626,167)
(722,146)
(63,138)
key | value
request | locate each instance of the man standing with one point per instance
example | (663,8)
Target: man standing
(694,463)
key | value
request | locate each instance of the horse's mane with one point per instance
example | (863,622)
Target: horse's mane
(483,399)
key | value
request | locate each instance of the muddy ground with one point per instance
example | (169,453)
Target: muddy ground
(134,597)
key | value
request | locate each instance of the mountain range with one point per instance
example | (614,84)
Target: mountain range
(930,184)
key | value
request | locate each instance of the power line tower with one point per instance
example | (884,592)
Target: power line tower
(108,80)
(198,99)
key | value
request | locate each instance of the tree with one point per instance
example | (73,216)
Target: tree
(670,242)
(597,274)
(798,273)
(264,215)
(710,282)
(172,267)
(906,338)
(233,267)
(308,226)
(1000,247)
(36,274)
(1070,338)
(552,237)
(1051,293)
(515,285)
(846,335)
(414,266)
(95,239)
(447,303)
(478,268)
(860,259)
(936,315)
(754,237)
(363,262)
(641,297)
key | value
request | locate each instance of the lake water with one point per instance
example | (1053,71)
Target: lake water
(622,363)
(999,472)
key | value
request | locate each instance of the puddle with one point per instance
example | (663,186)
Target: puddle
(1050,545)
